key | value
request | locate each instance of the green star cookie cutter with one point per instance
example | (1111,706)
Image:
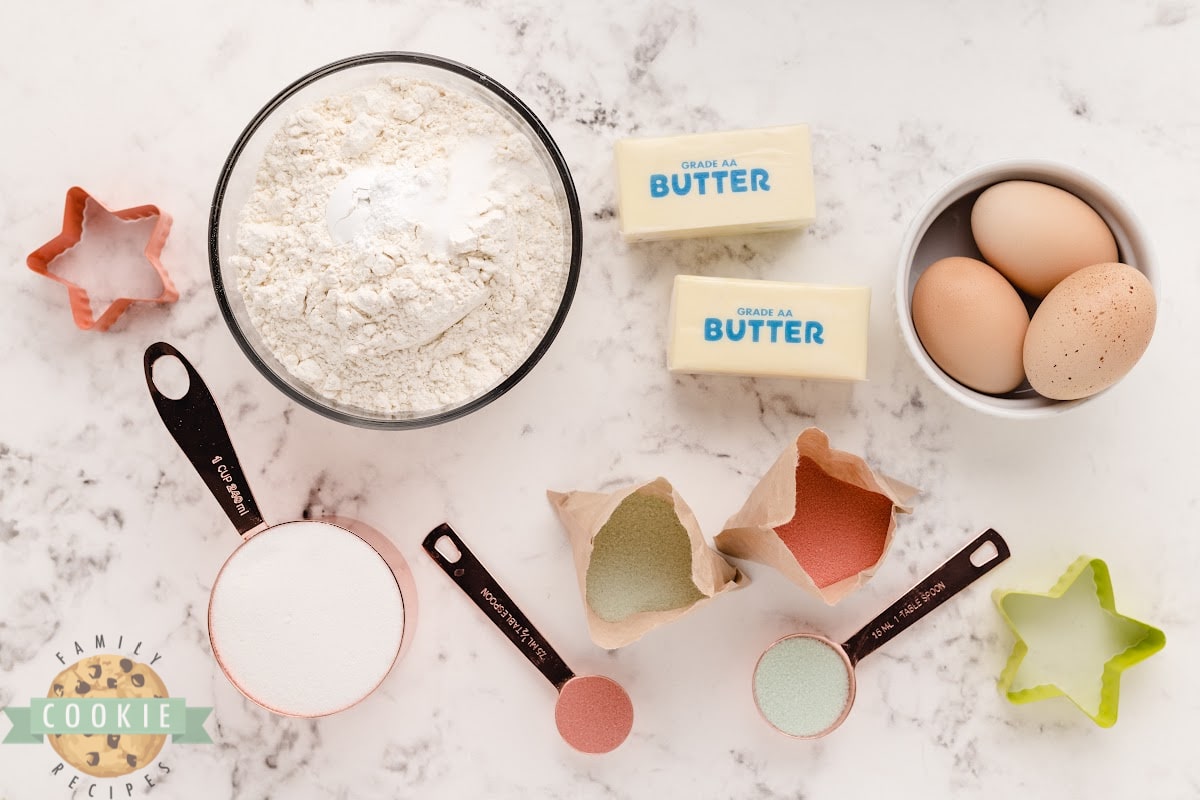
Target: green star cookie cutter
(1071,642)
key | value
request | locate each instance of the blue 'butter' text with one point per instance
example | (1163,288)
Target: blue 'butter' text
(792,331)
(717,181)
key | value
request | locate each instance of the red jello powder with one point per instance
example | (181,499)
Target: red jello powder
(839,529)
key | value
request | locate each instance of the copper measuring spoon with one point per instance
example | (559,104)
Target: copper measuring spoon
(804,684)
(593,713)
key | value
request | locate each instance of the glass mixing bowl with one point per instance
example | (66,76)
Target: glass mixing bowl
(237,181)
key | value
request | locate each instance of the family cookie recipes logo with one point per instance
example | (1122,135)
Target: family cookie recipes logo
(107,715)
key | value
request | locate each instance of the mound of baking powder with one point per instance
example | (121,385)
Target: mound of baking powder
(403,248)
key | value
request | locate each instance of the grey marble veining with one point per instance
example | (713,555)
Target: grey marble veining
(104,528)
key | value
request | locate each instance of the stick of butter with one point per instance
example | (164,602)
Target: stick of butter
(768,328)
(711,184)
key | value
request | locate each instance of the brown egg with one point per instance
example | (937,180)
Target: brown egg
(1036,234)
(1089,331)
(972,323)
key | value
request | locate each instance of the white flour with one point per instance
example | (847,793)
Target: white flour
(403,248)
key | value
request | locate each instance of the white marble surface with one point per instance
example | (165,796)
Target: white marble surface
(104,528)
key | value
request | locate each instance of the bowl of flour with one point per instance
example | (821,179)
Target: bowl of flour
(395,240)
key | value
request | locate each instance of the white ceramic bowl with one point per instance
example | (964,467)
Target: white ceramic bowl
(942,228)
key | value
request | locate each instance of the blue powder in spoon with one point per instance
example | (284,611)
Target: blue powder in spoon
(802,685)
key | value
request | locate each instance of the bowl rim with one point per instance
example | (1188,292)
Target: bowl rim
(552,151)
(1042,170)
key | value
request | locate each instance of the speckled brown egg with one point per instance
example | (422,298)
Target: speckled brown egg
(1036,234)
(972,323)
(1089,331)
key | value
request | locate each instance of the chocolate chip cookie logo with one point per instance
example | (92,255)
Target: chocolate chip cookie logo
(107,716)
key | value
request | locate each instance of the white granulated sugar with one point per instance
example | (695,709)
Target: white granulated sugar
(403,249)
(306,618)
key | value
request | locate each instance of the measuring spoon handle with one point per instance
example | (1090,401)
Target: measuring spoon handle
(949,579)
(485,592)
(196,424)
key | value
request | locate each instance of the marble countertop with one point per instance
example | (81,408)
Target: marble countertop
(105,528)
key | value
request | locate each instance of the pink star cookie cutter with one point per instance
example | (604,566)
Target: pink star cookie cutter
(72,231)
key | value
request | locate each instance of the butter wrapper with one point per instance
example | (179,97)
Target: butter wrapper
(715,184)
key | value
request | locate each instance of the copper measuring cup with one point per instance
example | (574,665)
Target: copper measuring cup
(292,683)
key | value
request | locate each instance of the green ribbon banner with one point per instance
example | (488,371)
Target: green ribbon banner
(105,715)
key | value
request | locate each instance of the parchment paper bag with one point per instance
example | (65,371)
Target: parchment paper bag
(640,558)
(822,517)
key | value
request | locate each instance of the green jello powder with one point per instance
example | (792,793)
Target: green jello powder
(802,685)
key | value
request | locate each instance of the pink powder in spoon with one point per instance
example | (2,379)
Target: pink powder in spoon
(838,529)
(593,713)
